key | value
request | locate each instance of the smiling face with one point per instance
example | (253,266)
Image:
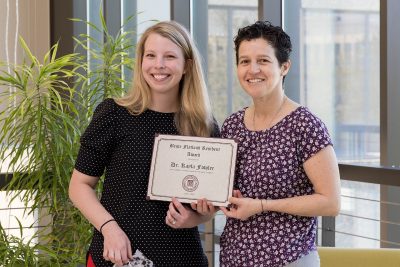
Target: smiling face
(163,65)
(258,70)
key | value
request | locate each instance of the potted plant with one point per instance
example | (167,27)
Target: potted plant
(49,104)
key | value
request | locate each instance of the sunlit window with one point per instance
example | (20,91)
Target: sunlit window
(338,44)
(15,24)
(338,56)
(224,20)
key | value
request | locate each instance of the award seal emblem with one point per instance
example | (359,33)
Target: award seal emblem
(190,183)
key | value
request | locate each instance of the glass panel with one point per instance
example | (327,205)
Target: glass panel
(319,233)
(338,44)
(219,223)
(358,224)
(28,19)
(335,71)
(148,14)
(11,214)
(129,9)
(224,20)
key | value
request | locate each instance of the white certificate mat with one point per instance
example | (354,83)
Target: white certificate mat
(192,168)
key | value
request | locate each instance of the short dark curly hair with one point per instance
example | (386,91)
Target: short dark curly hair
(274,35)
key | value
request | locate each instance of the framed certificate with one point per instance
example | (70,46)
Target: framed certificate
(191,168)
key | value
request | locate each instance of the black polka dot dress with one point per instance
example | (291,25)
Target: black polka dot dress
(120,145)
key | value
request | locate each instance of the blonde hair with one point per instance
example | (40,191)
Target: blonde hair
(194,115)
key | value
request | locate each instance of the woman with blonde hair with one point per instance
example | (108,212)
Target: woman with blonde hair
(168,96)
(194,116)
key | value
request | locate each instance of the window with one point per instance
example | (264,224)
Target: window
(147,14)
(338,43)
(337,54)
(224,20)
(28,19)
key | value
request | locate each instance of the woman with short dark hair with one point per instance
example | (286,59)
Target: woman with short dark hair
(286,173)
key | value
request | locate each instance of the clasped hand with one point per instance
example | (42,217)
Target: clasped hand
(180,216)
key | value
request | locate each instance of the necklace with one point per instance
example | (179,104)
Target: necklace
(260,151)
(273,117)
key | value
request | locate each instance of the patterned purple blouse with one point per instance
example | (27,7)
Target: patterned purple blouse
(270,166)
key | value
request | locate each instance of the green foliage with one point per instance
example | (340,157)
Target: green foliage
(47,106)
(17,251)
(104,76)
(38,127)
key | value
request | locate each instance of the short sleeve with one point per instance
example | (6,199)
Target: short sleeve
(228,128)
(313,136)
(97,140)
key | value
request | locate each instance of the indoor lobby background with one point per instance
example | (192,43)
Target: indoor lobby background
(345,68)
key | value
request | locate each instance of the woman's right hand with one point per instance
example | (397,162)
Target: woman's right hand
(204,207)
(117,246)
